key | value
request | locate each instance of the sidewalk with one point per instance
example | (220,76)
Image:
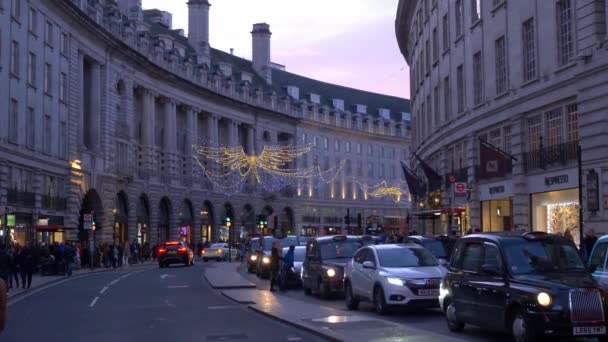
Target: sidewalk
(224,275)
(331,323)
(39,281)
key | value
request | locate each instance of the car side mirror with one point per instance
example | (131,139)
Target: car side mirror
(491,270)
(369,265)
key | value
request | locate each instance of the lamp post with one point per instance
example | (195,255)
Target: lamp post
(229,224)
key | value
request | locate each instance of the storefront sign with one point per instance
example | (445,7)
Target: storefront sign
(10,220)
(497,189)
(593,193)
(561,179)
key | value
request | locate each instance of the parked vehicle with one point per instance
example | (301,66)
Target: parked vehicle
(433,245)
(293,278)
(532,284)
(218,252)
(252,256)
(392,275)
(323,267)
(175,252)
(264,249)
(597,262)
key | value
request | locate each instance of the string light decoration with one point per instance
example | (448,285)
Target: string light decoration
(397,192)
(270,169)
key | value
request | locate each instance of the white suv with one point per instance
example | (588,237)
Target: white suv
(387,275)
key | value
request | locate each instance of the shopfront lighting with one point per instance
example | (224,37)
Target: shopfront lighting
(114,211)
(436,199)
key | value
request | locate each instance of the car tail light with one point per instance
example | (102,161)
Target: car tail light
(161,250)
(182,249)
(204,251)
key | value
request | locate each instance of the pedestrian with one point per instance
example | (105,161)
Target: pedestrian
(126,253)
(288,260)
(5,265)
(3,300)
(13,274)
(68,259)
(274,264)
(27,266)
(589,241)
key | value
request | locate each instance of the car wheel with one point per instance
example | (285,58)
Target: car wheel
(323,289)
(520,329)
(450,316)
(379,302)
(352,303)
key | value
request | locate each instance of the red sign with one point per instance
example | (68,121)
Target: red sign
(452,178)
(460,188)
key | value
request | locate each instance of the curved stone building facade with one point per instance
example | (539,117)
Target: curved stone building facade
(529,79)
(102,101)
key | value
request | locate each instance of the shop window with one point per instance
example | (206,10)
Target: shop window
(556,212)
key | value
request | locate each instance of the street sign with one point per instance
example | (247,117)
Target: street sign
(460,188)
(87,218)
(87,221)
(452,178)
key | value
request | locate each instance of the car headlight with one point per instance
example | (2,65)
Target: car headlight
(544,299)
(331,272)
(266,260)
(253,258)
(395,281)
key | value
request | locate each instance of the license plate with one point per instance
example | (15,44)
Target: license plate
(579,331)
(428,292)
(172,252)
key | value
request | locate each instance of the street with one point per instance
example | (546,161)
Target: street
(139,304)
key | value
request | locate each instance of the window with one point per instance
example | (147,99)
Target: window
(529,50)
(427,52)
(446,98)
(47,78)
(460,87)
(382,152)
(31,69)
(360,168)
(47,134)
(347,146)
(381,171)
(572,119)
(48,33)
(496,138)
(506,132)
(459,18)
(501,65)
(370,170)
(32,21)
(337,145)
(429,116)
(437,109)
(393,171)
(304,139)
(492,256)
(13,122)
(477,78)
(446,33)
(63,147)
(534,132)
(315,142)
(64,43)
(359,148)
(15,58)
(435,46)
(349,168)
(554,122)
(471,257)
(325,143)
(598,258)
(475,11)
(565,40)
(370,150)
(63,87)
(31,128)
(16,9)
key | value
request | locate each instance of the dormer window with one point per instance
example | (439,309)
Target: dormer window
(338,104)
(361,109)
(315,98)
(226,69)
(384,113)
(246,77)
(294,92)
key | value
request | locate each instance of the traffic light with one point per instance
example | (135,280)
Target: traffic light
(228,222)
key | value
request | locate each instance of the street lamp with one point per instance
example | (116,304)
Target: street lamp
(229,224)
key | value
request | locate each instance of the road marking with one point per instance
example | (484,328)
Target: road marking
(114,281)
(294,338)
(177,286)
(105,288)
(126,275)
(164,276)
(93,302)
(223,307)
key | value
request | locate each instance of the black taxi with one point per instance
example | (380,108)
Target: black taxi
(323,267)
(531,284)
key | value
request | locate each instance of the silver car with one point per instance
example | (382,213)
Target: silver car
(298,259)
(393,275)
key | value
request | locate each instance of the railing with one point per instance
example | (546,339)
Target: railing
(54,202)
(560,154)
(19,197)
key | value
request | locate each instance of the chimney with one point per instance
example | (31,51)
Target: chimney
(198,28)
(132,8)
(261,51)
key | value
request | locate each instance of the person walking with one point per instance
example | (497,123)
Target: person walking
(68,259)
(27,266)
(126,253)
(13,273)
(5,265)
(274,264)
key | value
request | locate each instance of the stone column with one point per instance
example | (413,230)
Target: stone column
(191,139)
(95,106)
(473,202)
(170,138)
(521,198)
(132,219)
(148,126)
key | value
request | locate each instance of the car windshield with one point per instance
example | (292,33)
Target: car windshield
(543,256)
(406,257)
(217,245)
(299,254)
(340,249)
(284,242)
(435,247)
(254,244)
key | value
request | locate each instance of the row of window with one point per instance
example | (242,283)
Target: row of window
(32,118)
(22,179)
(371,127)
(323,142)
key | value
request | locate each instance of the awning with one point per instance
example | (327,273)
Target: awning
(50,227)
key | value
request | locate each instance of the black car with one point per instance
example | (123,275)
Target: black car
(252,257)
(175,252)
(433,244)
(264,249)
(323,268)
(531,284)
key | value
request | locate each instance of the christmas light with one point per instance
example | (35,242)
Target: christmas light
(382,189)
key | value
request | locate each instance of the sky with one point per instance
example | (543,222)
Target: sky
(346,42)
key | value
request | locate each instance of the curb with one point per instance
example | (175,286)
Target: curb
(248,302)
(296,325)
(236,287)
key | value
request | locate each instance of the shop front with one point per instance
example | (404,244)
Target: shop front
(50,230)
(310,230)
(19,228)
(496,206)
(554,203)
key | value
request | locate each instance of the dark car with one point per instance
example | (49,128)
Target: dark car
(252,257)
(175,252)
(323,268)
(433,244)
(529,284)
(264,249)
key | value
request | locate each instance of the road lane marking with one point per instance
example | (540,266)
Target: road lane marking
(177,286)
(126,275)
(105,288)
(93,302)
(164,276)
(114,281)
(223,307)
